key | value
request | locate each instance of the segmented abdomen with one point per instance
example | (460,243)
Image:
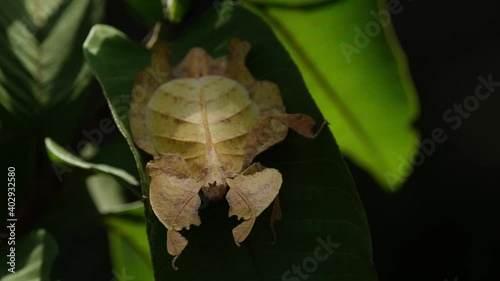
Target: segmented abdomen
(180,121)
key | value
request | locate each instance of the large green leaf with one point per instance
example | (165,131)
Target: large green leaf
(42,67)
(116,81)
(318,197)
(362,87)
(34,256)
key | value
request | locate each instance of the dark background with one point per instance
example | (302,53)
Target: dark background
(443,224)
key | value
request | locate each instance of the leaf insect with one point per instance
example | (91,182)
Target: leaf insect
(204,121)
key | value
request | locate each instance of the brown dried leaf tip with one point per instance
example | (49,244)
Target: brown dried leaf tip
(204,121)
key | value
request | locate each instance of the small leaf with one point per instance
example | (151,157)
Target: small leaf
(60,155)
(34,256)
(362,86)
(128,243)
(175,10)
(106,192)
(152,11)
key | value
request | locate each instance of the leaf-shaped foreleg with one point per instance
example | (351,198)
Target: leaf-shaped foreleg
(300,123)
(174,198)
(270,130)
(249,195)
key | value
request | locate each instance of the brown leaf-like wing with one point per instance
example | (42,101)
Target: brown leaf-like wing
(174,198)
(147,81)
(249,195)
(266,96)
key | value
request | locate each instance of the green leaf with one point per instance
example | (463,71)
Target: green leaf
(176,9)
(129,244)
(90,194)
(106,192)
(318,197)
(292,3)
(364,90)
(106,42)
(34,256)
(42,67)
(153,11)
(60,155)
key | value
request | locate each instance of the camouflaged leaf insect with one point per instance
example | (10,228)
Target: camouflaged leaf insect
(204,121)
